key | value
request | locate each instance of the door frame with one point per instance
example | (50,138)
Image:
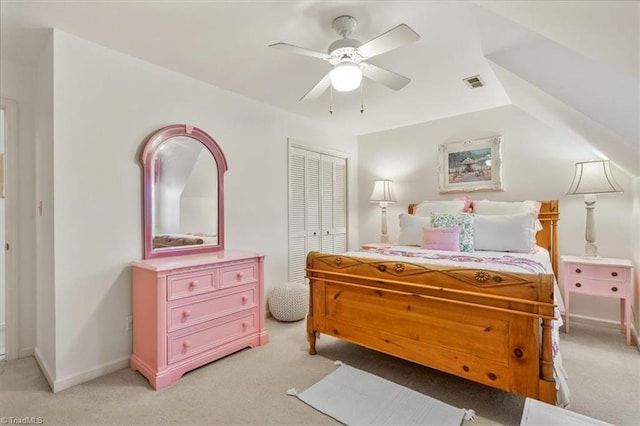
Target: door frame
(10,108)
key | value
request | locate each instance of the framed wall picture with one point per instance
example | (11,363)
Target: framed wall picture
(473,165)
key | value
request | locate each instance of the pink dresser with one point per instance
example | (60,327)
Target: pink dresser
(191,310)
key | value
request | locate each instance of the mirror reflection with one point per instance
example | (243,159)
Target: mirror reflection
(185,194)
(183,185)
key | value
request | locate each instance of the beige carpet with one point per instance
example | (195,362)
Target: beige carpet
(250,387)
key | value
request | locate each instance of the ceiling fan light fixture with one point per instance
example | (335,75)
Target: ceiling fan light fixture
(345,76)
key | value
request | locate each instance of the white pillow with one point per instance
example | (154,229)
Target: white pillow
(425,208)
(411,229)
(508,207)
(514,232)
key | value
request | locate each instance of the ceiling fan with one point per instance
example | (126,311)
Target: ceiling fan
(349,58)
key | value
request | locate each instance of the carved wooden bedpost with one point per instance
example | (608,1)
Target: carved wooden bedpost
(311,333)
(547,384)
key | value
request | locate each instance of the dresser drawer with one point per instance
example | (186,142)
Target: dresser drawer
(609,273)
(238,275)
(182,314)
(186,345)
(601,288)
(185,285)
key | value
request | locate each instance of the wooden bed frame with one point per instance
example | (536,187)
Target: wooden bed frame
(490,327)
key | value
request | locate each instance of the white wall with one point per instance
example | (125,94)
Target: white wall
(46,292)
(538,163)
(635,233)
(106,103)
(16,82)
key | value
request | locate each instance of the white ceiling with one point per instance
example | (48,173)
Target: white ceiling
(225,43)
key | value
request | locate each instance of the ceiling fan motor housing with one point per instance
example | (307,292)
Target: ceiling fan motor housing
(345,49)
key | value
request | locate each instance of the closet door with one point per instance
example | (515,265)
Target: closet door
(304,209)
(334,204)
(317,207)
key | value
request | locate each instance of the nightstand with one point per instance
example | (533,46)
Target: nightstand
(597,276)
(377,246)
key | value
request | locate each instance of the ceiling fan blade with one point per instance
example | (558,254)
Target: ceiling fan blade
(385,77)
(318,89)
(392,39)
(299,50)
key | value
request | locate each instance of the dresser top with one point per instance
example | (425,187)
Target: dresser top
(604,261)
(191,260)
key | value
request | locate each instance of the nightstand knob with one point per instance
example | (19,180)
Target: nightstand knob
(614,274)
(578,270)
(614,289)
(578,285)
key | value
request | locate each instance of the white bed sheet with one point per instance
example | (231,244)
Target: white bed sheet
(538,261)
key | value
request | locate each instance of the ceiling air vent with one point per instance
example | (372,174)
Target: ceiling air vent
(474,82)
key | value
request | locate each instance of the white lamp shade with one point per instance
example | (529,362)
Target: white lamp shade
(345,76)
(593,177)
(382,192)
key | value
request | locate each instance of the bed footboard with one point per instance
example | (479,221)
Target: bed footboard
(482,325)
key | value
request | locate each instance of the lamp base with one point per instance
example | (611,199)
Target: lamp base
(590,250)
(384,238)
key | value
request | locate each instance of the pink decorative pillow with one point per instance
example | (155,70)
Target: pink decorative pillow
(441,238)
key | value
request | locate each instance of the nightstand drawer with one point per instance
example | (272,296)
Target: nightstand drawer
(594,287)
(609,273)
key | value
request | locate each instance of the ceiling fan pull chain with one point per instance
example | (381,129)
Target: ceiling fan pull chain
(330,99)
(362,97)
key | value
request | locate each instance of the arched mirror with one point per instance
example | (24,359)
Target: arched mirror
(183,170)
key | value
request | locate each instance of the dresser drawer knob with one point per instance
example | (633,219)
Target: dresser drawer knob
(578,270)
(614,274)
(245,324)
(193,284)
(614,289)
(186,313)
(186,344)
(245,298)
(578,285)
(240,275)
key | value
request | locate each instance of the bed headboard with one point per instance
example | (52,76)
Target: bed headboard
(548,236)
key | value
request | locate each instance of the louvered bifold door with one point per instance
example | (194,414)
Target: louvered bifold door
(334,204)
(339,205)
(304,209)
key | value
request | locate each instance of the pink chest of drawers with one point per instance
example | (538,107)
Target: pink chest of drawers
(191,310)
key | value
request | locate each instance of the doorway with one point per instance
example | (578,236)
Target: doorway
(8,229)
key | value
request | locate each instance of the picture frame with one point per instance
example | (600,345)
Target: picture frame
(472,165)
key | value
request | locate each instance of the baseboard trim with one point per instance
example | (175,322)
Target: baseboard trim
(44,367)
(94,373)
(26,352)
(595,321)
(608,324)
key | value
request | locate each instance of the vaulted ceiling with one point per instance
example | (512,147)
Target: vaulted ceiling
(571,64)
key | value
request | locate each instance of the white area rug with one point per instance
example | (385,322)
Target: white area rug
(355,397)
(538,413)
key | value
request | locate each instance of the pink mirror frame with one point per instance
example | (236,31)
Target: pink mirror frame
(147,156)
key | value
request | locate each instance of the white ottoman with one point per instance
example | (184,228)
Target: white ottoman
(289,301)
